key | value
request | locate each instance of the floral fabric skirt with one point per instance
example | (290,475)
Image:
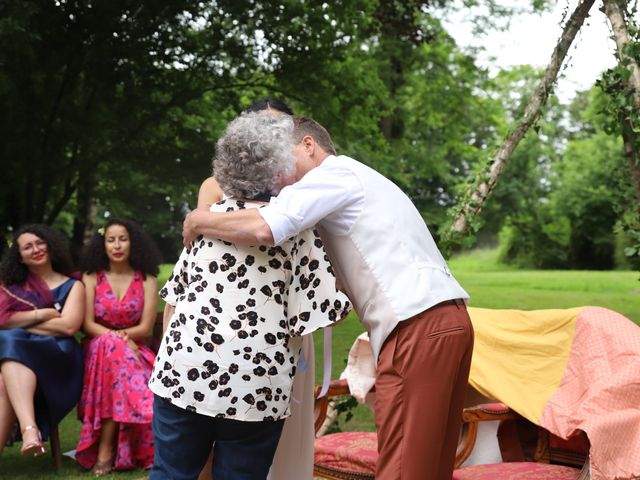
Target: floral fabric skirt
(115,386)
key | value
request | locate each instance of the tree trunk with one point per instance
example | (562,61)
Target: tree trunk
(474,200)
(633,156)
(85,220)
(90,221)
(58,206)
(616,16)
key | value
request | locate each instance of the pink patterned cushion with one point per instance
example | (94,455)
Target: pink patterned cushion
(516,471)
(347,451)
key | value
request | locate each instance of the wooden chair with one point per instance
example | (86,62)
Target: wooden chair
(153,342)
(54,443)
(353,455)
(551,457)
(56,450)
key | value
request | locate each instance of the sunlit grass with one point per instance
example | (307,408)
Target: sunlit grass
(492,285)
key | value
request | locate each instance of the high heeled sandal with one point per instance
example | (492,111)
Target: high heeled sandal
(102,468)
(33,448)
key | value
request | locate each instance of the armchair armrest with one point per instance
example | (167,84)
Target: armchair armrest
(154,341)
(336,387)
(471,416)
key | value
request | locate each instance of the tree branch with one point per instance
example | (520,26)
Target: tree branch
(69,189)
(621,36)
(486,182)
(616,16)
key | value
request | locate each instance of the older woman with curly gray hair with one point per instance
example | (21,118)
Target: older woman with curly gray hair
(236,316)
(253,157)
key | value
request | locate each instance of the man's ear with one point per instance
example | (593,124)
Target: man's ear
(309,144)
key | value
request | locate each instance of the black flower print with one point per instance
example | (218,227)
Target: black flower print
(232,346)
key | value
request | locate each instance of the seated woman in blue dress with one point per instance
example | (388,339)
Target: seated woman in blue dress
(41,308)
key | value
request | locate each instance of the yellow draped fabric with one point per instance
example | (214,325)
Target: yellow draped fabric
(566,370)
(520,356)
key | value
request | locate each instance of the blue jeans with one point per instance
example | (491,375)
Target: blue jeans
(183,440)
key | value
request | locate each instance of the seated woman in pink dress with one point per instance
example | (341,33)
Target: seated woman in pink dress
(116,405)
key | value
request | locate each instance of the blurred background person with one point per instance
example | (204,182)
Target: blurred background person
(41,308)
(121,294)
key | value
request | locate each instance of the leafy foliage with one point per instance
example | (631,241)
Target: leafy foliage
(114,107)
(102,94)
(572,224)
(621,117)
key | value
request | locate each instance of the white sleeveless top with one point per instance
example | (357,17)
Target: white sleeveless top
(377,241)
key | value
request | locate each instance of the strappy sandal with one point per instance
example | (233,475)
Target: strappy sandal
(33,448)
(102,468)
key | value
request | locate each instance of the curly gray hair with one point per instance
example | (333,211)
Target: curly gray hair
(254,155)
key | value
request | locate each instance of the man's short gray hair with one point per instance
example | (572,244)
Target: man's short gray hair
(254,155)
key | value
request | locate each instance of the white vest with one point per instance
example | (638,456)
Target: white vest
(389,264)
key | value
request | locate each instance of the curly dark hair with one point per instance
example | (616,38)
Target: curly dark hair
(145,256)
(14,272)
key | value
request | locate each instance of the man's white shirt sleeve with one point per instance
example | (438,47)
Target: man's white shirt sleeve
(330,194)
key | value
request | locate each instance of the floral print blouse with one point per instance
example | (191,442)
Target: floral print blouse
(232,346)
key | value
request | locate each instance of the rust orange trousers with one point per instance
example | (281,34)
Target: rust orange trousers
(421,381)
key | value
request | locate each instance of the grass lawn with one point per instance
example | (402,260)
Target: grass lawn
(490,285)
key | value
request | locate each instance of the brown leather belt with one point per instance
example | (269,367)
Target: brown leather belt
(456,301)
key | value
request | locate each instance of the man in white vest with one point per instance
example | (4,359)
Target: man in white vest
(390,267)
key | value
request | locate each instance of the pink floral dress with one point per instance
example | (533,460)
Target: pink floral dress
(115,381)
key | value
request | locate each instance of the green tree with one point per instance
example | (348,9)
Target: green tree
(524,182)
(622,87)
(435,119)
(472,202)
(98,95)
(114,107)
(572,226)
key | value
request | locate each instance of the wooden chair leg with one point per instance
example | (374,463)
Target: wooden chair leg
(56,451)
